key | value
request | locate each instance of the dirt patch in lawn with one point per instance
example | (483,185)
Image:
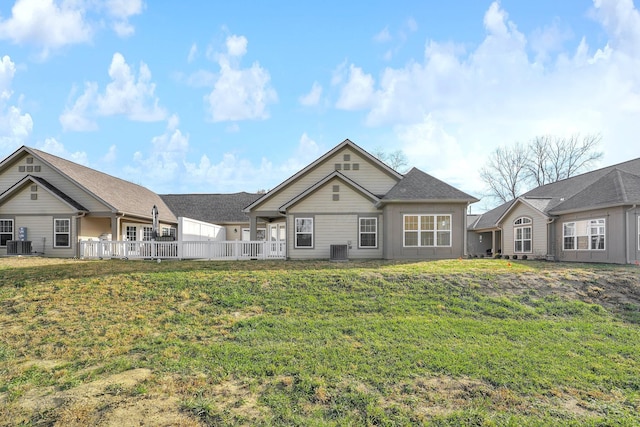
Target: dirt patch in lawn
(616,290)
(114,400)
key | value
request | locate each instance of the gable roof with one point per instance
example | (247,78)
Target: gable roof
(354,185)
(418,186)
(614,185)
(119,195)
(212,208)
(47,186)
(346,143)
(614,189)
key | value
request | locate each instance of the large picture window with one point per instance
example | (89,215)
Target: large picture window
(584,235)
(368,233)
(61,233)
(522,231)
(427,230)
(304,232)
(6,231)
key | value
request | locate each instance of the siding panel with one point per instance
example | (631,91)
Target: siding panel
(368,176)
(538,231)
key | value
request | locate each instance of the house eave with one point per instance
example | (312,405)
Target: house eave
(383,166)
(422,201)
(591,208)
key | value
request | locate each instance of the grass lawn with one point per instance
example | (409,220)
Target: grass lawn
(457,342)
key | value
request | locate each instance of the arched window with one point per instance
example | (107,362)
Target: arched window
(522,232)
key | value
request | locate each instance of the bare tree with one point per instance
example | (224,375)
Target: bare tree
(397,160)
(511,171)
(505,172)
(553,158)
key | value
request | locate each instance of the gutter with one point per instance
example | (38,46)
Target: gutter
(626,246)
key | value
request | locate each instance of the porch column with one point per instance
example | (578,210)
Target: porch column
(114,227)
(253,227)
(494,250)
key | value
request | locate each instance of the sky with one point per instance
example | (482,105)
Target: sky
(218,97)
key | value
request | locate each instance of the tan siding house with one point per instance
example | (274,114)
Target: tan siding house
(349,198)
(52,203)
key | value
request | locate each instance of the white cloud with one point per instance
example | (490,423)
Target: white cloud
(357,93)
(127,94)
(75,118)
(15,126)
(313,97)
(193,52)
(239,93)
(412,25)
(236,45)
(52,24)
(46,24)
(167,167)
(383,36)
(453,107)
(121,11)
(52,146)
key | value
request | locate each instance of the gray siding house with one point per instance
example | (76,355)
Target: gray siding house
(592,217)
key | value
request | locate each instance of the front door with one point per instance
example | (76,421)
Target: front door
(277,240)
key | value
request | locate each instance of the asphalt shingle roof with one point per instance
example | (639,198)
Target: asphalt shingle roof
(615,188)
(121,195)
(612,185)
(419,186)
(212,208)
(59,193)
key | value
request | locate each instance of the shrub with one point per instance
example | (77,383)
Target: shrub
(524,257)
(506,257)
(515,257)
(497,256)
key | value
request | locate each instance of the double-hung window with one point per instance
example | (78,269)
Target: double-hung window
(368,233)
(304,232)
(6,231)
(522,231)
(427,230)
(61,233)
(585,235)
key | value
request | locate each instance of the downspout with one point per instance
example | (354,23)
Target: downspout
(464,222)
(626,234)
(119,216)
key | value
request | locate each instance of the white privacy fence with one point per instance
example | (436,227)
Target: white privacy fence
(210,249)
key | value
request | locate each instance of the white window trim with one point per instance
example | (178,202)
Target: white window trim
(147,233)
(13,229)
(296,232)
(360,232)
(588,224)
(56,233)
(245,230)
(522,223)
(434,231)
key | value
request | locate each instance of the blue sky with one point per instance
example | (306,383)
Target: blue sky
(237,96)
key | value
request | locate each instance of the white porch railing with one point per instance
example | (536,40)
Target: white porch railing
(209,249)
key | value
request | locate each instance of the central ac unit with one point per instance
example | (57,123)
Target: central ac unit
(339,252)
(18,247)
